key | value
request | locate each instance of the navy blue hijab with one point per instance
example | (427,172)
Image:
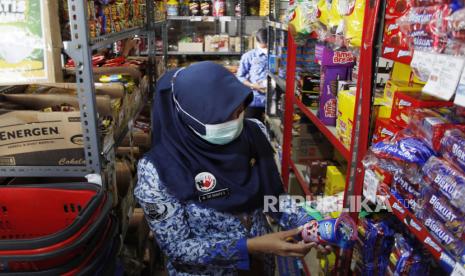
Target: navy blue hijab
(244,169)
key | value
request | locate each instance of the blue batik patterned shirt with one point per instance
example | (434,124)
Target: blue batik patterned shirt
(254,68)
(203,241)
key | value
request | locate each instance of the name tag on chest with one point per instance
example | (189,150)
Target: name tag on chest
(214,195)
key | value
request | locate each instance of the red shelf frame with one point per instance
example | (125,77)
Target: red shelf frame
(323,128)
(417,228)
(360,133)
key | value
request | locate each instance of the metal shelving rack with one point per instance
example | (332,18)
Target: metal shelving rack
(241,22)
(80,50)
(360,135)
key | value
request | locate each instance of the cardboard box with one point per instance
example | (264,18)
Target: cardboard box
(303,155)
(216,43)
(392,87)
(31,138)
(403,102)
(385,129)
(30,51)
(234,45)
(345,116)
(316,176)
(327,57)
(403,72)
(335,181)
(384,112)
(190,47)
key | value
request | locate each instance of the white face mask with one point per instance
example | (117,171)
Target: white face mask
(263,50)
(224,133)
(219,134)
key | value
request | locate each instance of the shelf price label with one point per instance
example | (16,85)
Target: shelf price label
(460,93)
(444,77)
(370,185)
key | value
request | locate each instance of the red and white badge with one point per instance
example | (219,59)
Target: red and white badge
(205,182)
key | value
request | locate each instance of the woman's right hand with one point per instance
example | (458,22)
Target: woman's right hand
(280,243)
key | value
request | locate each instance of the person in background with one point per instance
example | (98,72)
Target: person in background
(252,72)
(203,184)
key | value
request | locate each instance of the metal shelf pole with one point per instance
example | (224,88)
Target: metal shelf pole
(79,49)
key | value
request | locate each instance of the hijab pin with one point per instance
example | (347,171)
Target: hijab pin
(252,162)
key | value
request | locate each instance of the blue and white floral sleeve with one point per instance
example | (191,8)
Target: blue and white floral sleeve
(167,218)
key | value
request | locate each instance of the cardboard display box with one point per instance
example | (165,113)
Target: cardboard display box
(26,137)
(30,44)
(190,47)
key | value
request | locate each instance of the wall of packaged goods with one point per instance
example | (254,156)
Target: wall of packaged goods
(388,117)
(73,123)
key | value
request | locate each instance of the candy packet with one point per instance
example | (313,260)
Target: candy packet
(455,245)
(447,179)
(439,205)
(452,147)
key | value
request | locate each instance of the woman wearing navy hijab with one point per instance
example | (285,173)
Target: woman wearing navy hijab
(203,183)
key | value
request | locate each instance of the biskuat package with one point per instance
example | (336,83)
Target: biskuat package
(31,138)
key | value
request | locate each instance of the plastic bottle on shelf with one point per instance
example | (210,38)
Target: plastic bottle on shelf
(206,8)
(194,7)
(184,7)
(219,7)
(230,8)
(238,8)
(172,8)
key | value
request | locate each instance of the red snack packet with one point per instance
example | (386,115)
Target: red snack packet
(430,126)
(396,8)
(426,27)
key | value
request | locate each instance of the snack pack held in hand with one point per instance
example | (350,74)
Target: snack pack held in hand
(340,232)
(447,179)
(453,147)
(440,231)
(439,205)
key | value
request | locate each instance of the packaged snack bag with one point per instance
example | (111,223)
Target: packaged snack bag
(447,179)
(438,229)
(439,205)
(430,126)
(341,232)
(453,147)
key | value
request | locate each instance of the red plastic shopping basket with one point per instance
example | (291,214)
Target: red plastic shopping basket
(45,226)
(88,261)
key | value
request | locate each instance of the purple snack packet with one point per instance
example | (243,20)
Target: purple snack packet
(450,216)
(336,65)
(448,180)
(453,147)
(438,229)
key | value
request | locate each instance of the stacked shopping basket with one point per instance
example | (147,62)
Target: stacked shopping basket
(59,229)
